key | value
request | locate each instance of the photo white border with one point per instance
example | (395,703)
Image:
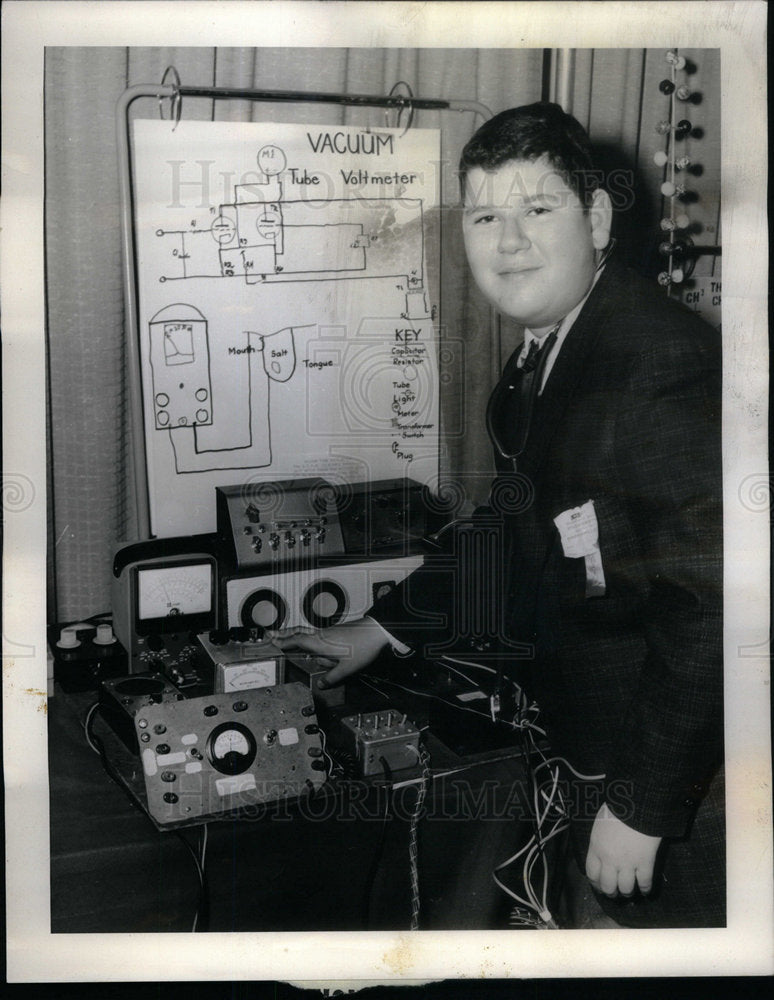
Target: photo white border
(746,946)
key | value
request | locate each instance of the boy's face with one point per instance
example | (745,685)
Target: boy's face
(530,245)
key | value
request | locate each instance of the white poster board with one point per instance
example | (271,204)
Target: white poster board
(286,322)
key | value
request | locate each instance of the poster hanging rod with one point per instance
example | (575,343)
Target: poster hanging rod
(394,99)
(360,100)
(175,92)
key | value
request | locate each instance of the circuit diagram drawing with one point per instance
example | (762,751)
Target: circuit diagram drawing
(264,237)
(287,321)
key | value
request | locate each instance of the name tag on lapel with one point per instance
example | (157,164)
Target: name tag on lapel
(579,532)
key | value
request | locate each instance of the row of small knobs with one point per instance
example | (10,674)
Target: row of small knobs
(68,637)
(305,536)
(255,530)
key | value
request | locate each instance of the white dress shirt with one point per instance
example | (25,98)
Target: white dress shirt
(564,328)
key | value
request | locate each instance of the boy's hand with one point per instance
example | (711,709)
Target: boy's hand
(346,648)
(619,856)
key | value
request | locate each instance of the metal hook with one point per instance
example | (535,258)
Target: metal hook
(176,99)
(406,101)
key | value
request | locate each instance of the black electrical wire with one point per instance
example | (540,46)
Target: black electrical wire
(379,850)
(96,744)
(201,918)
(93,620)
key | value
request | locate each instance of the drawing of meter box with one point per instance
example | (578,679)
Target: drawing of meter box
(180,370)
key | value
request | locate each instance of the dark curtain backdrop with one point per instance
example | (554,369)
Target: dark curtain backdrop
(91,508)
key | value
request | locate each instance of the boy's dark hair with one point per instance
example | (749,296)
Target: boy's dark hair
(529,132)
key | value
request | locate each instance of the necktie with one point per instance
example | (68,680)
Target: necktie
(530,362)
(509,428)
(529,386)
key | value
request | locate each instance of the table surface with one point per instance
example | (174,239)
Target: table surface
(334,863)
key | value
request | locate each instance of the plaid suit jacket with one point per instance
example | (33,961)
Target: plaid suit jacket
(630,681)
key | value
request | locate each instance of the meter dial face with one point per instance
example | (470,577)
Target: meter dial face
(251,675)
(231,748)
(170,591)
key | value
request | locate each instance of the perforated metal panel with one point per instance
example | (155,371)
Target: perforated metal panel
(223,753)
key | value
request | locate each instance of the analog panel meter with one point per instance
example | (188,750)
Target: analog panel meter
(174,597)
(161,598)
(171,591)
(231,748)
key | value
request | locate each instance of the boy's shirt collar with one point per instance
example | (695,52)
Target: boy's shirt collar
(564,329)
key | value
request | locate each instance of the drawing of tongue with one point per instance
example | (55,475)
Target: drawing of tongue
(279,355)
